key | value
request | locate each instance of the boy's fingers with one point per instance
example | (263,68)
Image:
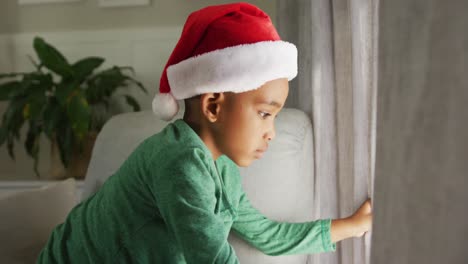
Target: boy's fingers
(369,222)
(366,208)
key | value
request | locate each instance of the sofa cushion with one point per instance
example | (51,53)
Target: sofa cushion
(28,217)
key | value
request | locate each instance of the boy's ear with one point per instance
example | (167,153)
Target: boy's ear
(211,104)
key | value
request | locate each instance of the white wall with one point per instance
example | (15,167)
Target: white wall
(142,37)
(86,15)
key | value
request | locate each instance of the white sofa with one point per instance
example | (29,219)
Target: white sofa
(280,185)
(28,213)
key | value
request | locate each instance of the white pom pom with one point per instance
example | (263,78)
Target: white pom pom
(165,106)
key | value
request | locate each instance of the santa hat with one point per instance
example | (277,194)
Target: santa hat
(223,48)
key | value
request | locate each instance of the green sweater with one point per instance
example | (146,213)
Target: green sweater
(170,202)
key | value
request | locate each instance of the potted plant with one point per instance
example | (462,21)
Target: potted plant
(68,102)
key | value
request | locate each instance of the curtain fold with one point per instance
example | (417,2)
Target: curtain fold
(336,87)
(421,173)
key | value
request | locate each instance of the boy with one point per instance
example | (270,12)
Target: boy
(177,196)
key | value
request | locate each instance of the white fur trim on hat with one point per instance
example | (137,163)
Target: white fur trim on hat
(234,69)
(165,106)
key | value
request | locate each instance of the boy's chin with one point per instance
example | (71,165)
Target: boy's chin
(245,162)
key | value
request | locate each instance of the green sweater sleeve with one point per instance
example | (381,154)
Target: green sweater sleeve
(187,201)
(275,238)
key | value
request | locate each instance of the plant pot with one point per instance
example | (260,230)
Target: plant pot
(78,162)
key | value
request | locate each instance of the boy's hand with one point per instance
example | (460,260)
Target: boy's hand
(354,226)
(362,219)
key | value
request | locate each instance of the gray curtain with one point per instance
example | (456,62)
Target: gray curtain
(421,175)
(336,87)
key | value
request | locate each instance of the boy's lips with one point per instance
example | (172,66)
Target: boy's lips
(259,152)
(264,149)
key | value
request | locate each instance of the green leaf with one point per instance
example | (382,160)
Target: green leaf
(92,94)
(21,90)
(52,117)
(85,67)
(51,58)
(32,144)
(11,146)
(32,85)
(45,80)
(79,115)
(36,108)
(65,143)
(13,118)
(3,135)
(6,89)
(102,85)
(65,91)
(132,102)
(37,96)
(30,137)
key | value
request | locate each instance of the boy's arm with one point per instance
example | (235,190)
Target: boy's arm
(186,201)
(276,238)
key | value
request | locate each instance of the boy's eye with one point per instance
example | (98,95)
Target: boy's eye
(264,115)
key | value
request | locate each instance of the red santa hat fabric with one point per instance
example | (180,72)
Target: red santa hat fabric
(223,48)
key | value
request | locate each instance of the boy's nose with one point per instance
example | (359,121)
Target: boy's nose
(270,135)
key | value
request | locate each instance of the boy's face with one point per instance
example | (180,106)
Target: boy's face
(246,123)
